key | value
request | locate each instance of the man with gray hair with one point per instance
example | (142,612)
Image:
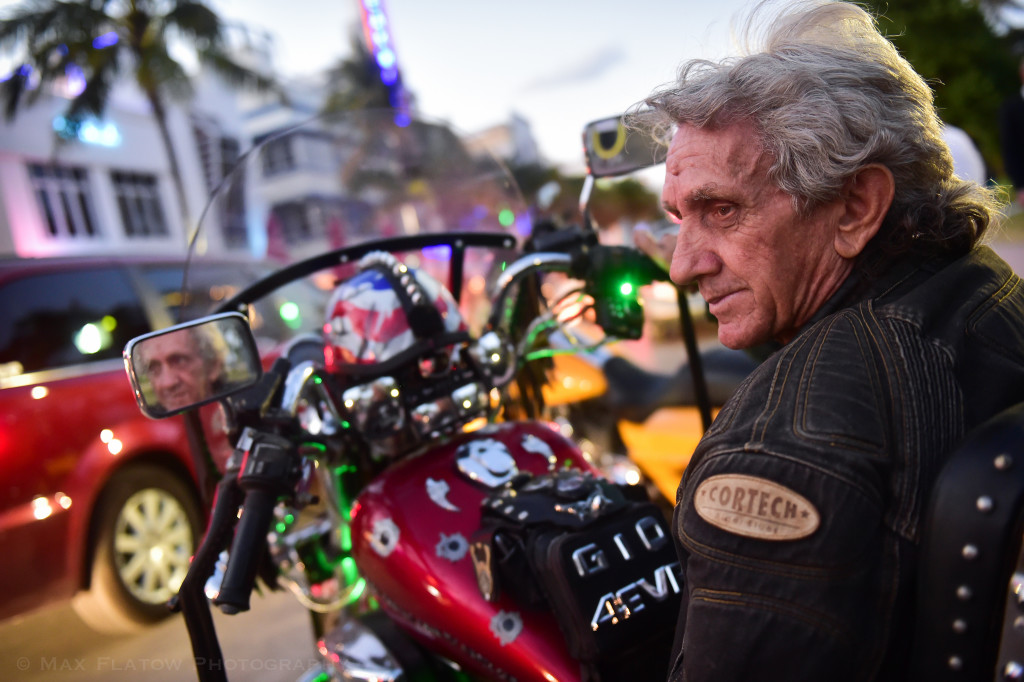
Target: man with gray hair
(818,210)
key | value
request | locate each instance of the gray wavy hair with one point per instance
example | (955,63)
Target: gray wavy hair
(829,94)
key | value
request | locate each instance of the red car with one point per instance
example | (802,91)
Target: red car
(97,502)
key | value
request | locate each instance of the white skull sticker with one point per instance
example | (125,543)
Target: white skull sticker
(452,547)
(486,461)
(384,537)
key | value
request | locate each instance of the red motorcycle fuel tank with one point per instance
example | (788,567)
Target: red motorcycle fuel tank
(411,532)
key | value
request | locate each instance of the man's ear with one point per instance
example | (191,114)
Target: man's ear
(866,200)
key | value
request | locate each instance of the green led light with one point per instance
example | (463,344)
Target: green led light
(290,314)
(349,570)
(289,311)
(289,518)
(506,217)
(357,591)
(626,289)
(281,527)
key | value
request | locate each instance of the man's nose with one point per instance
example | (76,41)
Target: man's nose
(693,257)
(166,379)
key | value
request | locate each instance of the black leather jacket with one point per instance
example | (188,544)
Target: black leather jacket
(798,519)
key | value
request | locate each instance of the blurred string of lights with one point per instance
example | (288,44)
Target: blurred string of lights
(377,34)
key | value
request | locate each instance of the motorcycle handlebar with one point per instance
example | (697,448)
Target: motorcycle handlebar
(611,275)
(243,558)
(267,471)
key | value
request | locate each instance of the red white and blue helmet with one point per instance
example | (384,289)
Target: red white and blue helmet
(387,315)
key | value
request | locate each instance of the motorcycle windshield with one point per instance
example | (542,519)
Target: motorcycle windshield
(341,180)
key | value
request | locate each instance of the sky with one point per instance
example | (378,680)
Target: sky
(475,63)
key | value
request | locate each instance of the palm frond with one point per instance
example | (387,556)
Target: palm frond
(52,22)
(236,74)
(12,90)
(93,98)
(157,70)
(196,21)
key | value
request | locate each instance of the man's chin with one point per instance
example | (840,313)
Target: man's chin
(738,338)
(176,403)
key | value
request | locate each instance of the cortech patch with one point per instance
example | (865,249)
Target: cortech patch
(755,508)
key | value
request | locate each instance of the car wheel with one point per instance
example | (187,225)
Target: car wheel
(145,531)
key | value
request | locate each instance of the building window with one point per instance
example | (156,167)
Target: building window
(278,156)
(138,198)
(219,155)
(63,196)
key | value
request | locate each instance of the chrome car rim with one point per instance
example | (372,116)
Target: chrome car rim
(152,545)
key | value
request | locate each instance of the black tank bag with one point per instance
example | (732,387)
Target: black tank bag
(601,561)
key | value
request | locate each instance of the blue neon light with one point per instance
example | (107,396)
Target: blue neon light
(89,131)
(106,40)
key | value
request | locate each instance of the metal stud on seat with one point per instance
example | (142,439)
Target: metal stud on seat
(985,504)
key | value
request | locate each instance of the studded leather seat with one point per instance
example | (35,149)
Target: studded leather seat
(970,612)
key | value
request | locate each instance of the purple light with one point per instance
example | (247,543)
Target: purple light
(106,40)
(441,252)
(389,76)
(76,79)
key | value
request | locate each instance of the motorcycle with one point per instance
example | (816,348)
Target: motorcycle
(396,471)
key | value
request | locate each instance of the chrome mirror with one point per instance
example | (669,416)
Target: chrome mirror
(188,365)
(612,148)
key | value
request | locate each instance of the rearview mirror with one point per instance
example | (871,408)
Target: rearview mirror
(612,148)
(188,365)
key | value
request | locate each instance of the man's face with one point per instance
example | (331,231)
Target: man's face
(178,373)
(763,270)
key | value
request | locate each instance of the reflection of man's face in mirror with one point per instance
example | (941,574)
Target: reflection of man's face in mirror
(181,369)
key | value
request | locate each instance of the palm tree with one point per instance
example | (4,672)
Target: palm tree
(103,39)
(354,82)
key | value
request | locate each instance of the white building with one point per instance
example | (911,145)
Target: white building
(105,187)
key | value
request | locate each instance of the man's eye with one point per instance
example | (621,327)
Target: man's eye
(723,211)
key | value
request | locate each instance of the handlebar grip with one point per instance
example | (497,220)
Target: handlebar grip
(246,551)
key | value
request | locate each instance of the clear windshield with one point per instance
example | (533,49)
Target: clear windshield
(343,180)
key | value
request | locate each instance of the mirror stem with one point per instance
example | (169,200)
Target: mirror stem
(588,187)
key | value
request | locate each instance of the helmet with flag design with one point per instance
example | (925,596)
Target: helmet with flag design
(396,341)
(388,314)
